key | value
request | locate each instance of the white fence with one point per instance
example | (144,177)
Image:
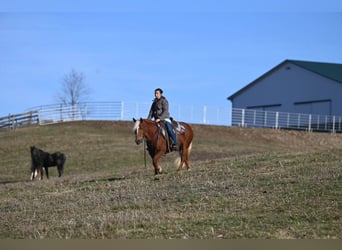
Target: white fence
(125,111)
(211,115)
(272,119)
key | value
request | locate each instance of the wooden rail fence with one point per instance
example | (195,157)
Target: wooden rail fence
(19,120)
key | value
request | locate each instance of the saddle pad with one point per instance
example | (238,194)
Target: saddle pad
(180,129)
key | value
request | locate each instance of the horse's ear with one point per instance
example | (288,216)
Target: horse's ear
(134,119)
(141,119)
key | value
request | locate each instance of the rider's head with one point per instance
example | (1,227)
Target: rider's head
(158,89)
(158,93)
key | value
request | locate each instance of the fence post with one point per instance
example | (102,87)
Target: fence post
(204,114)
(86,111)
(254,117)
(298,122)
(12,122)
(326,122)
(277,117)
(265,119)
(333,126)
(39,122)
(9,121)
(309,123)
(243,118)
(60,112)
(318,121)
(122,111)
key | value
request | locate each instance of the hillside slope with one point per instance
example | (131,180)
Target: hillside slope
(96,146)
(244,183)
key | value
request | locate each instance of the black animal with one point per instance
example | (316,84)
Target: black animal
(42,160)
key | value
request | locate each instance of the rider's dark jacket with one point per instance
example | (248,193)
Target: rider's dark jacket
(159,109)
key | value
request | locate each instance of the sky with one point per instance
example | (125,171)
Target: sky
(199,52)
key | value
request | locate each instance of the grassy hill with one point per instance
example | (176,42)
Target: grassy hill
(244,183)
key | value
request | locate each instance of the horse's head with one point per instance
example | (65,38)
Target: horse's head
(138,131)
(32,149)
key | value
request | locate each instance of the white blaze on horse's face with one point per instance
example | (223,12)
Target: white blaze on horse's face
(137,132)
(136,127)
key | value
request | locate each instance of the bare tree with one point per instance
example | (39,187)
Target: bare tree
(74,89)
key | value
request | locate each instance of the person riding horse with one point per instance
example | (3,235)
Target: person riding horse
(160,112)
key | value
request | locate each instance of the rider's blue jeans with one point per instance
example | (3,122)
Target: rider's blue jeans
(171,132)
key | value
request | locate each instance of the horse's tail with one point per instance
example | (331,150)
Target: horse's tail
(178,159)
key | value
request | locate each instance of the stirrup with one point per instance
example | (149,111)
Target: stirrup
(174,146)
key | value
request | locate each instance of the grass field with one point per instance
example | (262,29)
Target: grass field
(244,183)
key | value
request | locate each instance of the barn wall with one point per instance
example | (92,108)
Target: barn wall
(291,88)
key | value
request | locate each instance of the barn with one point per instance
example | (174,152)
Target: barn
(293,86)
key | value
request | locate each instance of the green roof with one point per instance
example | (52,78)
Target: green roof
(329,70)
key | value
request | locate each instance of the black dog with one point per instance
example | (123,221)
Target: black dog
(42,160)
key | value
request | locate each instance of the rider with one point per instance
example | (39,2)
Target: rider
(160,112)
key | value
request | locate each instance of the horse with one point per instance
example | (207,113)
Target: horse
(157,141)
(42,160)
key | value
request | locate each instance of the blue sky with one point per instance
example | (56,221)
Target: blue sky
(199,52)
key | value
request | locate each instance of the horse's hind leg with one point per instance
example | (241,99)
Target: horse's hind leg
(180,164)
(187,162)
(185,158)
(60,170)
(181,159)
(40,173)
(189,148)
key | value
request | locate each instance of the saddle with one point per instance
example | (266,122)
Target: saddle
(177,129)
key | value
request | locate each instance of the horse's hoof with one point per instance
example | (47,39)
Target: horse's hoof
(159,171)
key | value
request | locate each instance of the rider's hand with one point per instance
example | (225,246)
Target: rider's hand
(157,120)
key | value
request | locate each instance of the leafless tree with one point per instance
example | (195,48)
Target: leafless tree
(74,89)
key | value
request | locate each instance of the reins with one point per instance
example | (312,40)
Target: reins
(145,153)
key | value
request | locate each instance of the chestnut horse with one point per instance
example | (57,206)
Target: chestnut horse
(157,145)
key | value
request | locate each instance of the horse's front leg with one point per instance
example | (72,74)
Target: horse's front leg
(33,168)
(157,168)
(32,174)
(47,172)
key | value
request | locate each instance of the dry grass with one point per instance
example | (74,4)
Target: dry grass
(245,183)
